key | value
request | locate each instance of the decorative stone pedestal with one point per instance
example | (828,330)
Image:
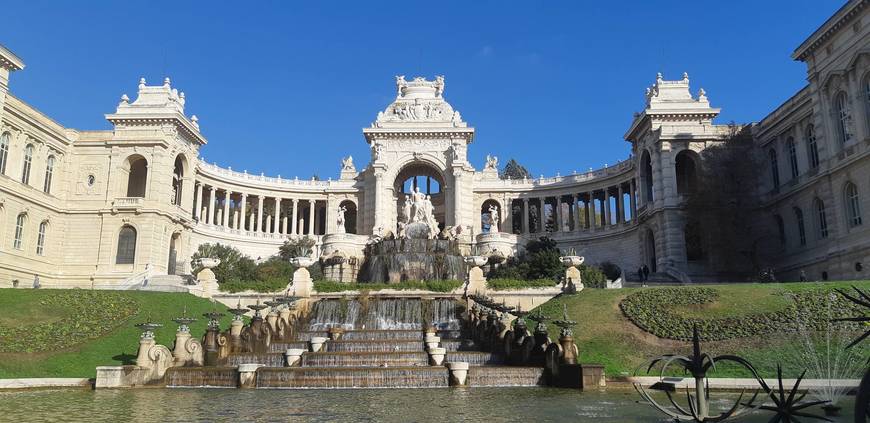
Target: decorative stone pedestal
(206,277)
(573,279)
(432,341)
(436,356)
(476,280)
(294,356)
(302,285)
(458,373)
(187,351)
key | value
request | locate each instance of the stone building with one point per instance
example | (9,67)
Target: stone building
(106,208)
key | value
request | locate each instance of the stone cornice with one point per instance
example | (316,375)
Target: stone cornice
(406,133)
(842,17)
(10,61)
(181,123)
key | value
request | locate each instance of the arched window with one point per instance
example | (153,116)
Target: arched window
(28,161)
(126,246)
(4,151)
(774,168)
(822,218)
(137,167)
(49,172)
(687,173)
(177,178)
(792,157)
(844,117)
(799,218)
(40,238)
(780,226)
(812,147)
(19,231)
(853,205)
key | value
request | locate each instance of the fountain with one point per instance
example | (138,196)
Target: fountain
(187,350)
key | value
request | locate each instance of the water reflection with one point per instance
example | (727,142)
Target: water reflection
(370,405)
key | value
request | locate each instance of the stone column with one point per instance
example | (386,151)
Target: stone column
(557,215)
(293,228)
(632,197)
(209,218)
(258,225)
(525,215)
(311,204)
(197,210)
(620,213)
(607,210)
(227,199)
(243,218)
(277,219)
(591,211)
(576,209)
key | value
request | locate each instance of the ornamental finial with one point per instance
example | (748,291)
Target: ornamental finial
(141,83)
(166,82)
(685,76)
(125,99)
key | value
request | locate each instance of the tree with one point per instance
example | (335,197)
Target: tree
(234,265)
(297,247)
(514,170)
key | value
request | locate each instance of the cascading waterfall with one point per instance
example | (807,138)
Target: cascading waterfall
(394,260)
(505,376)
(365,359)
(336,378)
(391,314)
(202,377)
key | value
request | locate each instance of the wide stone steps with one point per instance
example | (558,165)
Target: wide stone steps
(352,377)
(365,359)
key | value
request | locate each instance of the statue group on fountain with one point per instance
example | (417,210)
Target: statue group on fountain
(418,210)
(340,219)
(493,219)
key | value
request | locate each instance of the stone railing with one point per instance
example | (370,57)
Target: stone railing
(243,177)
(617,169)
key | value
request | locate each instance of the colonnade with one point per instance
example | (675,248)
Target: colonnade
(592,210)
(222,207)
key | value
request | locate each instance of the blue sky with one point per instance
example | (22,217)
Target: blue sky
(285,88)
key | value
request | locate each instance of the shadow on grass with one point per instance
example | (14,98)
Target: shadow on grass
(125,358)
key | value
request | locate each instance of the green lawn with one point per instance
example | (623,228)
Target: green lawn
(20,307)
(604,335)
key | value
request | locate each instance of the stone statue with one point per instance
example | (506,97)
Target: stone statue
(377,151)
(347,163)
(493,219)
(406,210)
(400,84)
(339,220)
(439,86)
(491,162)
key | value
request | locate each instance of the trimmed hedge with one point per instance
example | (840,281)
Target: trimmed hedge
(265,286)
(435,286)
(512,284)
(87,315)
(652,310)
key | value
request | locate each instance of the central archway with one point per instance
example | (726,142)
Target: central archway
(429,180)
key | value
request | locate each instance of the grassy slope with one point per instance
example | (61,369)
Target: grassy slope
(604,335)
(116,347)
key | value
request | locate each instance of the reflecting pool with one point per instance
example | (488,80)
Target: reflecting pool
(371,405)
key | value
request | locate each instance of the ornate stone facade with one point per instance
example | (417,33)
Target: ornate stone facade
(103,208)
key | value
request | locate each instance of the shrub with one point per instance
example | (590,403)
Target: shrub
(651,310)
(264,286)
(234,265)
(611,270)
(511,284)
(592,277)
(297,247)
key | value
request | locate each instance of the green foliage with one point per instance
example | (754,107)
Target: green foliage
(513,170)
(511,284)
(655,310)
(435,286)
(234,265)
(297,247)
(104,315)
(86,315)
(611,270)
(539,261)
(592,277)
(545,264)
(263,286)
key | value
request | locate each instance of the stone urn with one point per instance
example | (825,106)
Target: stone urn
(476,261)
(572,261)
(206,277)
(302,262)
